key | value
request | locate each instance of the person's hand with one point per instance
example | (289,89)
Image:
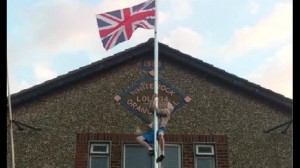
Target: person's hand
(155,97)
(161,115)
(150,125)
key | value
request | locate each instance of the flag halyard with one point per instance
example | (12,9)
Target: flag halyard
(118,26)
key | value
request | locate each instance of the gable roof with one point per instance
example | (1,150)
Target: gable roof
(164,51)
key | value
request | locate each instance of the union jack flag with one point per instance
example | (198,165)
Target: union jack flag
(117,26)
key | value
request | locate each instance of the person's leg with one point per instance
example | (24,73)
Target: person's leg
(145,140)
(161,140)
(142,141)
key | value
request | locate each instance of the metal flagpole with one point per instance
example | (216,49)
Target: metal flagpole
(11,124)
(155,123)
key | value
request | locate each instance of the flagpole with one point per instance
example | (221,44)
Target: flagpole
(155,87)
(11,124)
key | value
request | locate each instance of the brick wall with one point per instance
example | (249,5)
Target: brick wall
(81,156)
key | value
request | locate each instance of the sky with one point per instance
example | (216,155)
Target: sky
(251,39)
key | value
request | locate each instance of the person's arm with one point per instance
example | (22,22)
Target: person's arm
(151,111)
(154,105)
(159,112)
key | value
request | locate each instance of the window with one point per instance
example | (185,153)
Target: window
(173,156)
(205,156)
(99,155)
(136,155)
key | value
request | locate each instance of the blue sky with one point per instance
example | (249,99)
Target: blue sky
(251,39)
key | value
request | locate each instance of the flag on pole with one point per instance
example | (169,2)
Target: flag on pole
(118,26)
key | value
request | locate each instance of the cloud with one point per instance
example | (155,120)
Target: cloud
(108,5)
(61,26)
(180,9)
(54,27)
(51,28)
(46,30)
(276,73)
(254,7)
(16,85)
(185,40)
(43,72)
(17,54)
(268,32)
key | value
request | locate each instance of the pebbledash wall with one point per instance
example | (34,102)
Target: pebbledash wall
(71,116)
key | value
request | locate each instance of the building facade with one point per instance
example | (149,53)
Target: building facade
(91,116)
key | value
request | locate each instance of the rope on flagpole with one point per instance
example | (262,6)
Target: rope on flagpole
(11,124)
